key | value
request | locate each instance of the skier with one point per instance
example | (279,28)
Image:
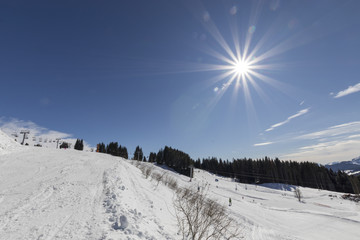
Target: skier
(229,201)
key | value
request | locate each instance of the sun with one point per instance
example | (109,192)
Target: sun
(241,67)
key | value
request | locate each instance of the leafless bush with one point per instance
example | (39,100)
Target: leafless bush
(136,163)
(172,183)
(202,218)
(141,167)
(298,194)
(158,177)
(148,171)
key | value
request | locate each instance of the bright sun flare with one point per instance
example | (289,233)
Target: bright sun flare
(241,67)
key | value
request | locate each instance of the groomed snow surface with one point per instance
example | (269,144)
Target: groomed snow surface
(69,194)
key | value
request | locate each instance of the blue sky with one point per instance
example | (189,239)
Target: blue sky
(156,73)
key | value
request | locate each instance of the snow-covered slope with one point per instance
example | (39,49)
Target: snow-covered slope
(47,141)
(7,144)
(350,167)
(68,194)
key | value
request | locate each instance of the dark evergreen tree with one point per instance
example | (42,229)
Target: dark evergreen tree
(101,148)
(138,154)
(152,157)
(175,159)
(123,152)
(113,149)
(160,157)
(79,144)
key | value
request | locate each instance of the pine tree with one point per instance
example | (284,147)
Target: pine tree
(152,157)
(138,154)
(123,152)
(79,145)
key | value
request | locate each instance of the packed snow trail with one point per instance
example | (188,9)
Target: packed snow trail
(51,193)
(69,194)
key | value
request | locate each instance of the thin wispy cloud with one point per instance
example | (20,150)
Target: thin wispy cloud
(349,90)
(262,144)
(298,114)
(336,143)
(325,152)
(354,136)
(337,130)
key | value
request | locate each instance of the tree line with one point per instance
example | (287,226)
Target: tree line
(267,170)
(247,170)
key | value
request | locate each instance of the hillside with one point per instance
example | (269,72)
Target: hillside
(350,167)
(68,194)
(32,139)
(7,144)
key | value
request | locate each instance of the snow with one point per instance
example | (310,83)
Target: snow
(7,144)
(356,161)
(67,194)
(350,167)
(46,141)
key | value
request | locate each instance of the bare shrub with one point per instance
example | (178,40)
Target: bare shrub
(148,171)
(172,183)
(202,218)
(298,194)
(158,177)
(142,168)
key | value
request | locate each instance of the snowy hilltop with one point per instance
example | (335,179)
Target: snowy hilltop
(67,194)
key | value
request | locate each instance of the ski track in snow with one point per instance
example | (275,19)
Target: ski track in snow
(48,194)
(129,184)
(51,201)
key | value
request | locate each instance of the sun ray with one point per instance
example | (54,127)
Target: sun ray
(214,31)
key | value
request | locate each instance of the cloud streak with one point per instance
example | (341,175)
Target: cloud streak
(298,114)
(325,152)
(336,143)
(262,144)
(337,130)
(349,90)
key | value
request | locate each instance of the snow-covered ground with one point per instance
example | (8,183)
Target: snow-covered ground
(7,145)
(49,140)
(68,194)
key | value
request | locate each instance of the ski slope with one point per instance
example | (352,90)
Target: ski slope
(7,145)
(68,194)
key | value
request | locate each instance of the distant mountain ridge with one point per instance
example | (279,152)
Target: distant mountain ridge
(350,167)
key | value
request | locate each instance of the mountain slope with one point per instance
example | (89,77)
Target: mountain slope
(68,194)
(63,193)
(350,167)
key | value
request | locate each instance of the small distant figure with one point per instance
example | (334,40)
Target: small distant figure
(230,202)
(198,188)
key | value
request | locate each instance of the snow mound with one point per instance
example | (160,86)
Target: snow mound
(7,144)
